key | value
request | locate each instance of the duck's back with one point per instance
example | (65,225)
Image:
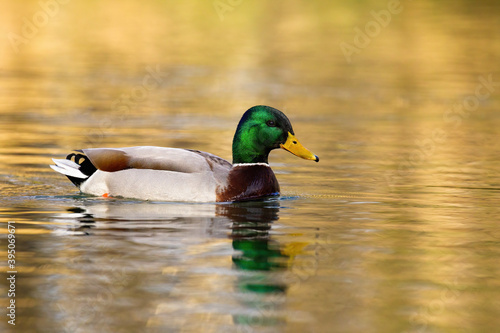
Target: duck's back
(166,174)
(151,173)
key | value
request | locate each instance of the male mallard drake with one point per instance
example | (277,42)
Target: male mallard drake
(173,174)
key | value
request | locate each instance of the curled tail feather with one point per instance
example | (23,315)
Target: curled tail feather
(77,167)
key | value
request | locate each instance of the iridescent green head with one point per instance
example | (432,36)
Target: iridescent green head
(262,129)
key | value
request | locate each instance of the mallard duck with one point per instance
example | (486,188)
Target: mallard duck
(174,174)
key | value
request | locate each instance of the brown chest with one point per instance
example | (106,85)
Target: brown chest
(249,182)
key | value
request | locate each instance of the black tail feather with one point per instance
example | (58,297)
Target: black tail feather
(86,166)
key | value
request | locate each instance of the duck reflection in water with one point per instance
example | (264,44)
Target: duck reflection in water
(259,256)
(262,264)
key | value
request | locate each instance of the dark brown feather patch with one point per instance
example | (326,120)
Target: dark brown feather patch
(249,182)
(108,159)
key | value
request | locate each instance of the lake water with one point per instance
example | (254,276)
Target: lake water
(396,229)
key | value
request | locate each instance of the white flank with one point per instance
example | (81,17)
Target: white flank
(68,168)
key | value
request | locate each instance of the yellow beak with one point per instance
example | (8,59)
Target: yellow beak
(293,146)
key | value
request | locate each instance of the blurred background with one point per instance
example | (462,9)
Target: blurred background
(394,230)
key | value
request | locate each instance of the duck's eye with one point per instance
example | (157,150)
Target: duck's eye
(271,123)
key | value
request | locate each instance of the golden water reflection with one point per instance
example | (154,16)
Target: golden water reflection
(166,284)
